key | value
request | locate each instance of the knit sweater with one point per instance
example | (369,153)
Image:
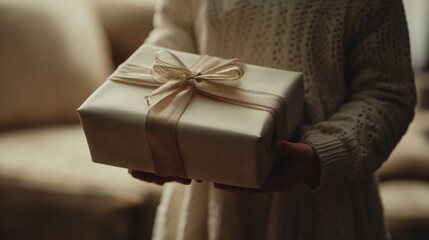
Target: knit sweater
(359,100)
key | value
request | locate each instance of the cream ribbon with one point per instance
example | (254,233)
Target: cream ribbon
(176,84)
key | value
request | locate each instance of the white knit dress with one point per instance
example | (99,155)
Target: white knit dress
(359,100)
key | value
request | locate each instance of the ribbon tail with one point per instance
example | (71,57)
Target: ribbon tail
(162,92)
(135,75)
(161,125)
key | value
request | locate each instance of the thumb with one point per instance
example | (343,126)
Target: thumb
(286,148)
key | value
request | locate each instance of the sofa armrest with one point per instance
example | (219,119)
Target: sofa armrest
(410,158)
(127,24)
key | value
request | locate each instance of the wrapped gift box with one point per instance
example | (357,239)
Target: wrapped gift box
(218,141)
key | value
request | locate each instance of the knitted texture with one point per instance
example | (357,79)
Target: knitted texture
(359,100)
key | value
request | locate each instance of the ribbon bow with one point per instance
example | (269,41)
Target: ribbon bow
(176,84)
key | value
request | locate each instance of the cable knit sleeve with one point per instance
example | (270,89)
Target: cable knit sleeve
(174,25)
(356,140)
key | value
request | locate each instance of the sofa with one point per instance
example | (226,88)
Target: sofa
(53,54)
(404,177)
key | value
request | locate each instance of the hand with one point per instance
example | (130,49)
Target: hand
(298,163)
(153,178)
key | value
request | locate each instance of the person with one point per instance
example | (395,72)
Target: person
(359,100)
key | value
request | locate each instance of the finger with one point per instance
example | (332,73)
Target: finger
(286,148)
(153,178)
(237,189)
(147,177)
(285,175)
(185,181)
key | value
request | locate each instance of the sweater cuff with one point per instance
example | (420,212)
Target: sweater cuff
(335,162)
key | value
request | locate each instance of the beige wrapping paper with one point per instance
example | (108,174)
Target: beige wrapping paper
(218,141)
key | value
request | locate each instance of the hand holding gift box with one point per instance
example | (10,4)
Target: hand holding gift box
(208,121)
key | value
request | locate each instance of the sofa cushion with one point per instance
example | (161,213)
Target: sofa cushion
(53,55)
(50,189)
(406,208)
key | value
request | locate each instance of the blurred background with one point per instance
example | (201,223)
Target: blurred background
(54,54)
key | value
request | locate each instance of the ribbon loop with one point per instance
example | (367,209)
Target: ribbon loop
(176,84)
